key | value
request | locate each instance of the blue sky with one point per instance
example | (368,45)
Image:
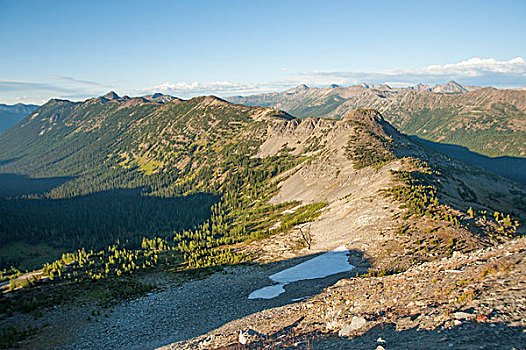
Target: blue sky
(79,49)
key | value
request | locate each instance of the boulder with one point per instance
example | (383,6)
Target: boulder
(249,335)
(462,316)
(357,322)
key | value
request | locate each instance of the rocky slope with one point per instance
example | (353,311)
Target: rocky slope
(359,214)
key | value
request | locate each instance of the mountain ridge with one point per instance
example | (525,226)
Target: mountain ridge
(488,121)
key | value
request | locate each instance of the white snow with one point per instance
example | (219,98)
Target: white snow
(267,292)
(298,299)
(327,264)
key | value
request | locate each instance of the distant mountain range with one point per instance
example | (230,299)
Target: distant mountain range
(12,114)
(486,120)
(450,87)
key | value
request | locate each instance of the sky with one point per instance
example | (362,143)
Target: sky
(80,49)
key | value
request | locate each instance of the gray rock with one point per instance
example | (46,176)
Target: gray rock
(357,322)
(248,335)
(242,338)
(462,316)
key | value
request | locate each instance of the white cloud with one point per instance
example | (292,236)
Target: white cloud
(472,67)
(478,71)
(220,88)
(473,71)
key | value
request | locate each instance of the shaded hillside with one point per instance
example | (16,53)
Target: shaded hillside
(128,155)
(487,121)
(510,167)
(12,114)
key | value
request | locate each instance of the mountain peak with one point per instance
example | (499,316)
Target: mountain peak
(211,100)
(299,88)
(450,86)
(111,96)
(453,83)
(333,86)
(159,98)
(382,87)
(421,87)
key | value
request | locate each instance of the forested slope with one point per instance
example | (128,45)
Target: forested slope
(87,174)
(112,193)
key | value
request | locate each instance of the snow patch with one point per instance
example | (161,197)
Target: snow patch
(267,292)
(330,263)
